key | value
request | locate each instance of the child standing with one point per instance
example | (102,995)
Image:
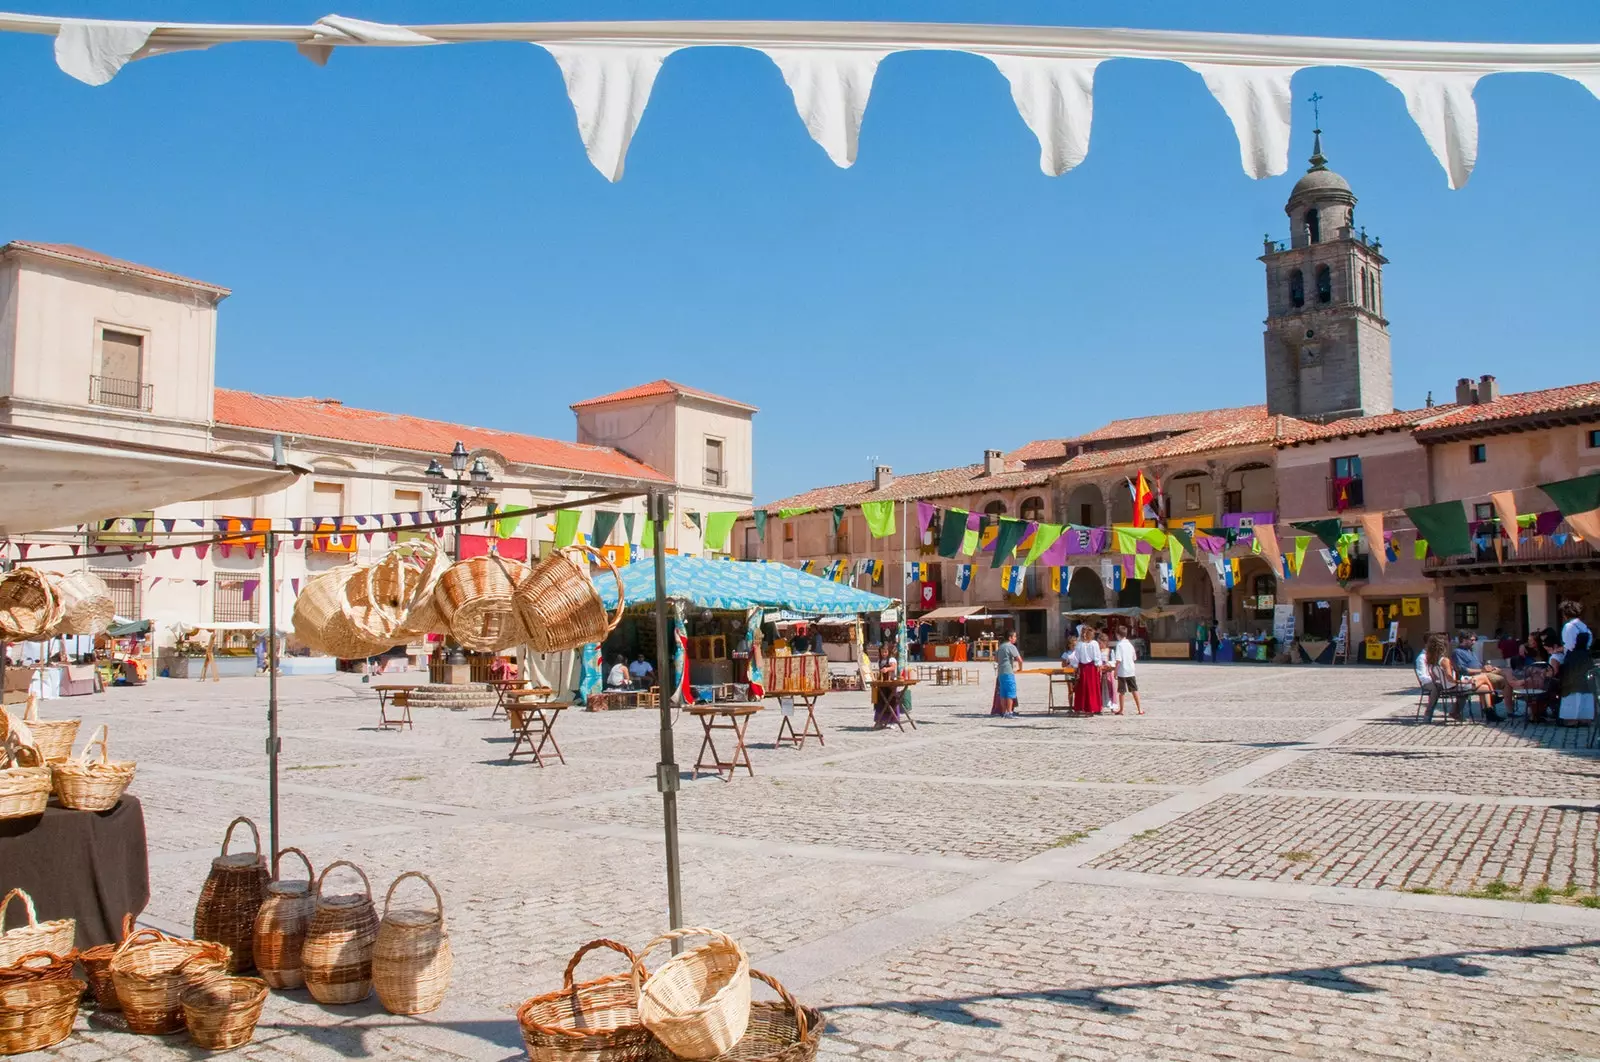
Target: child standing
(1127,681)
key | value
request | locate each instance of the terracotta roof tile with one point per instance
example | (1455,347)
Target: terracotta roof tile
(659,387)
(85,256)
(1133,427)
(1584,396)
(325,419)
(968,479)
(1399,420)
(1250,426)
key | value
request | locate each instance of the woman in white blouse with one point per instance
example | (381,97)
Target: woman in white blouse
(1089,659)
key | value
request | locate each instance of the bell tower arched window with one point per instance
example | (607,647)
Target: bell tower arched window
(1313,222)
(1324,284)
(1297,289)
(1365,297)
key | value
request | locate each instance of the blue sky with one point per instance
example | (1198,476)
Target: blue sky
(420,231)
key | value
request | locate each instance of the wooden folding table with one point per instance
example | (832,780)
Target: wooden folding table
(399,697)
(734,718)
(533,725)
(809,729)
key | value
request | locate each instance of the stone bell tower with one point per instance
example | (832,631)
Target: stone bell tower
(1327,341)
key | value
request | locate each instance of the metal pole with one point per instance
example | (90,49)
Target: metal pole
(667,769)
(905,598)
(272,696)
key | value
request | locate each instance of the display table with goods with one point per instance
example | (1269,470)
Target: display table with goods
(92,867)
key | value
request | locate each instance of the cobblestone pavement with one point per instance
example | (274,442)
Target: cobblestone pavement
(1272,863)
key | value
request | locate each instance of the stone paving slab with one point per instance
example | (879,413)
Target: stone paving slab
(1402,730)
(1442,770)
(1062,761)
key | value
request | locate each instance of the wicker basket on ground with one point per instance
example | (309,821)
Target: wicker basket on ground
(337,957)
(779,1031)
(37,1014)
(56,937)
(29,605)
(320,621)
(86,604)
(590,1021)
(280,930)
(231,898)
(84,784)
(39,966)
(152,971)
(24,781)
(697,1003)
(97,968)
(52,737)
(411,959)
(559,604)
(475,599)
(222,1013)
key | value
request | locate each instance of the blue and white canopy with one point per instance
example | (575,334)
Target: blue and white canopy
(740,585)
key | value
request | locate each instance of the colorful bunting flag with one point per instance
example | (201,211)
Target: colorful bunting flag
(1444,525)
(1011,578)
(963,576)
(880,518)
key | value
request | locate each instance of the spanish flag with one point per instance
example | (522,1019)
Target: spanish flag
(1143,497)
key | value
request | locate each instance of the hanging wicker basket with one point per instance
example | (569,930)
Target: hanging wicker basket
(411,959)
(386,602)
(280,930)
(696,1003)
(320,621)
(56,937)
(84,784)
(475,599)
(222,1013)
(779,1031)
(86,604)
(590,1021)
(422,616)
(152,971)
(337,957)
(36,1014)
(97,968)
(29,605)
(52,737)
(231,898)
(39,966)
(559,604)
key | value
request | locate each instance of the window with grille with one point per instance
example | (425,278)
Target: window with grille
(119,376)
(126,591)
(228,604)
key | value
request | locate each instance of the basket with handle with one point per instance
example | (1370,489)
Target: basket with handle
(475,599)
(320,622)
(97,968)
(222,1012)
(559,604)
(152,971)
(36,1014)
(696,1003)
(84,784)
(24,781)
(422,613)
(411,959)
(337,957)
(779,1031)
(39,966)
(588,1021)
(231,897)
(56,936)
(52,737)
(280,930)
(395,599)
(29,605)
(86,604)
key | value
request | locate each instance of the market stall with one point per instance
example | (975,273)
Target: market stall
(216,650)
(944,636)
(1142,625)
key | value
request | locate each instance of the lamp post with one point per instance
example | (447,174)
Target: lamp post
(458,489)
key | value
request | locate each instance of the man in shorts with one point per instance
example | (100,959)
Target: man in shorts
(1127,682)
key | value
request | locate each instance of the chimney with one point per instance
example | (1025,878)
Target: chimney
(993,463)
(1488,389)
(1466,392)
(882,476)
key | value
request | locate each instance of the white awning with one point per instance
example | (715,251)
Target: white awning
(950,612)
(52,481)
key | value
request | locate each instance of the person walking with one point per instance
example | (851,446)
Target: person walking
(1127,681)
(1008,662)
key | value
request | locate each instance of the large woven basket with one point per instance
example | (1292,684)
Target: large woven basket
(56,937)
(86,604)
(280,931)
(24,783)
(475,599)
(696,1003)
(337,957)
(36,1014)
(39,966)
(152,971)
(231,897)
(52,737)
(320,621)
(221,1013)
(589,1021)
(84,784)
(29,605)
(422,616)
(411,959)
(395,598)
(97,968)
(779,1031)
(559,605)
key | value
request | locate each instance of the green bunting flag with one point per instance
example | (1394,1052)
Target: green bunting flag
(1011,532)
(1444,525)
(717,527)
(1141,566)
(694,518)
(838,517)
(1579,502)
(785,514)
(969,541)
(566,527)
(760,516)
(1043,539)
(506,526)
(1301,543)
(627,527)
(603,524)
(1328,531)
(880,517)
(1184,543)
(952,531)
(647,539)
(1420,550)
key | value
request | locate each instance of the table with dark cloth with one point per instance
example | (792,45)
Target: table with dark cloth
(88,865)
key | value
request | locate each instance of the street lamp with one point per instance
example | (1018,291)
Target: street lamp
(458,490)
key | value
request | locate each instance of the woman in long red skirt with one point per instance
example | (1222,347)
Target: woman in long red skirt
(1089,660)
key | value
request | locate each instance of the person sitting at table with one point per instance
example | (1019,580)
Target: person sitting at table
(617,678)
(1485,678)
(1088,660)
(642,671)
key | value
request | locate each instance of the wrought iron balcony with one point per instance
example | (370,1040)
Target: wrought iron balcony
(118,392)
(1536,551)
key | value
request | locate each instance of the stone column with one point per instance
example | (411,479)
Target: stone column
(1539,613)
(1438,611)
(1355,608)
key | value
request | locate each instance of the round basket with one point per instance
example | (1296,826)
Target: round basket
(87,785)
(222,1013)
(779,1031)
(231,897)
(422,612)
(24,790)
(559,604)
(475,599)
(383,603)
(36,1014)
(592,1021)
(29,605)
(97,968)
(411,960)
(337,957)
(151,972)
(39,966)
(56,937)
(52,737)
(320,622)
(696,1003)
(280,930)
(86,605)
